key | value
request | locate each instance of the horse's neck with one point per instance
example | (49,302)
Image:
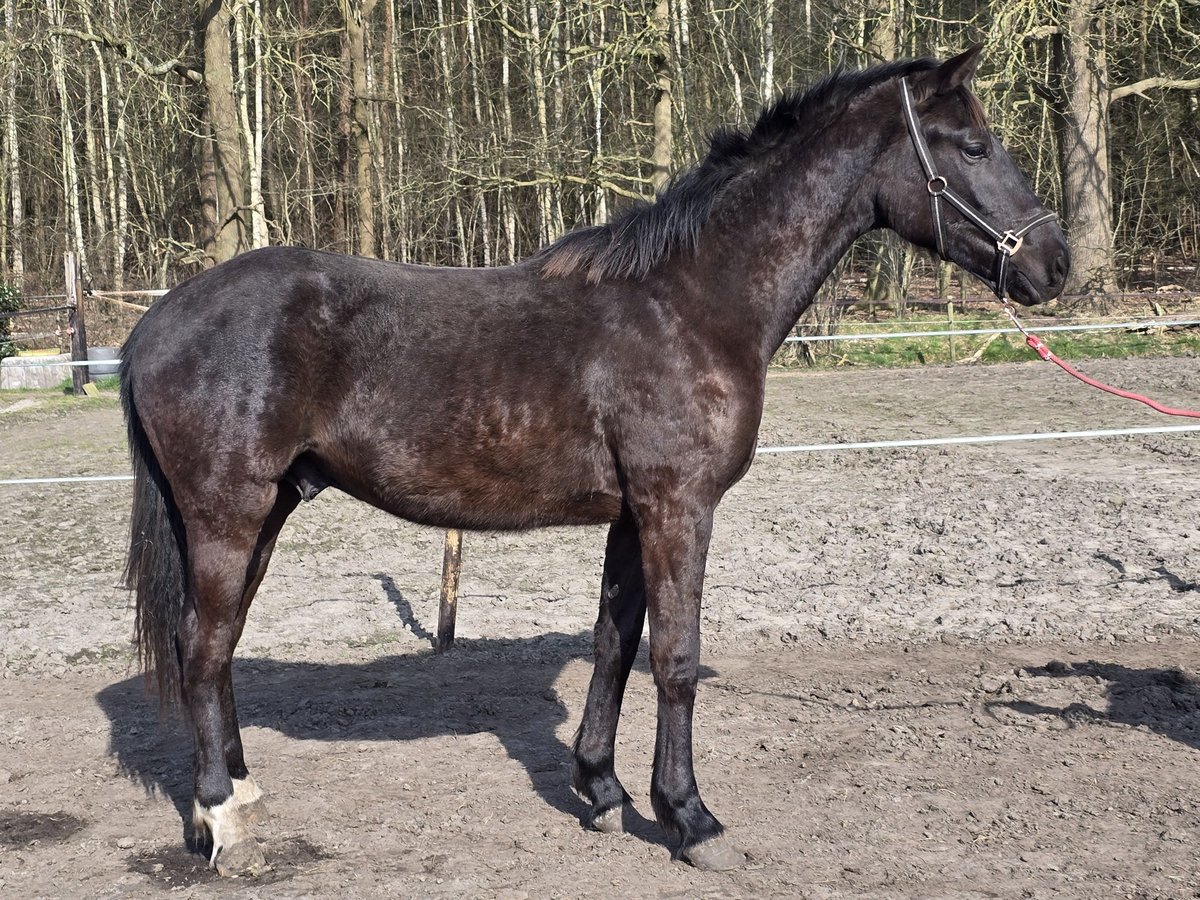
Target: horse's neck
(779,236)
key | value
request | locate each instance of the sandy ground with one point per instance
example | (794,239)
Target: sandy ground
(957,672)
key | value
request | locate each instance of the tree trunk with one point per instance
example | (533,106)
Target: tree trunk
(768,51)
(69,166)
(249,51)
(889,253)
(484,127)
(228,156)
(114,236)
(210,220)
(722,33)
(450,151)
(100,232)
(382,129)
(1082,114)
(405,250)
(345,135)
(356,17)
(305,126)
(12,149)
(507,211)
(681,31)
(663,134)
(117,154)
(596,85)
(881,42)
(542,154)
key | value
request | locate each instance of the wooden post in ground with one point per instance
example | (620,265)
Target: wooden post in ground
(80,375)
(448,608)
(950,313)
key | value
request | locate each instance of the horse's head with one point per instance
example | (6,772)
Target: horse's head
(947,184)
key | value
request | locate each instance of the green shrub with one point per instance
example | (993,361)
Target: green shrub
(10,301)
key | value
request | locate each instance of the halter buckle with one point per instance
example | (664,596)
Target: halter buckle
(1010,243)
(935,190)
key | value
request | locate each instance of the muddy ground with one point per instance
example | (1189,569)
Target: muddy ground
(962,672)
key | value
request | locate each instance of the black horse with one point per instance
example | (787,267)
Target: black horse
(623,383)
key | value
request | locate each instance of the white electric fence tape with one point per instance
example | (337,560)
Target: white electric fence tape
(801,448)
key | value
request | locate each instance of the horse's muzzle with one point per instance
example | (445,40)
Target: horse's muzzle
(1038,273)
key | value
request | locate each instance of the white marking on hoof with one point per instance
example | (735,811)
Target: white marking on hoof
(243,858)
(246,791)
(611,821)
(718,854)
(250,800)
(234,849)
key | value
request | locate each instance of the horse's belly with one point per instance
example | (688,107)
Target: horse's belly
(487,490)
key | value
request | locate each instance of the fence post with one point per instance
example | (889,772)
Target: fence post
(76,327)
(448,607)
(950,313)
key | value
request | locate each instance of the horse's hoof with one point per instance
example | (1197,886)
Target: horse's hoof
(243,858)
(611,821)
(255,812)
(718,854)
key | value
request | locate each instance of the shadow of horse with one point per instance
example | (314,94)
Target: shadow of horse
(505,686)
(1166,701)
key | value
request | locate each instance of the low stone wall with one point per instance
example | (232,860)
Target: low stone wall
(13,374)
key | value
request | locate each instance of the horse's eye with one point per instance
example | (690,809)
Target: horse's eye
(975,151)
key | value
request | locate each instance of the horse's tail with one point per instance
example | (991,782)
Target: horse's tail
(155,566)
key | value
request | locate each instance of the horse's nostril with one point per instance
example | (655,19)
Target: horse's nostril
(1062,264)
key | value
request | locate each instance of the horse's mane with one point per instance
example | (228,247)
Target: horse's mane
(642,236)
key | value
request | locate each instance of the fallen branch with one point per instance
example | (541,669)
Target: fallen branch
(978,354)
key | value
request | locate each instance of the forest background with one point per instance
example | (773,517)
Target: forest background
(153,139)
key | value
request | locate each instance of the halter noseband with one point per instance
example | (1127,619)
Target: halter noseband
(1007,242)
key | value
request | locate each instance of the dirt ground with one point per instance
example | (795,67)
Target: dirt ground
(955,672)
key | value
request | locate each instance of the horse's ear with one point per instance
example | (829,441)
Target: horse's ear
(958,71)
(953,73)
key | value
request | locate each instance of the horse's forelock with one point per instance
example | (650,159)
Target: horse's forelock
(974,107)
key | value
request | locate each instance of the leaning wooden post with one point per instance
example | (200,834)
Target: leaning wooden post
(80,375)
(448,609)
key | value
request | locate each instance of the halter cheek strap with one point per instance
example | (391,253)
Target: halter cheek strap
(1007,242)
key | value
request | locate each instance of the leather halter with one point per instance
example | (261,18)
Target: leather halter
(1007,242)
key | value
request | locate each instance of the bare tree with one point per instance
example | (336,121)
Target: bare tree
(12,149)
(357,16)
(1082,111)
(664,131)
(228,201)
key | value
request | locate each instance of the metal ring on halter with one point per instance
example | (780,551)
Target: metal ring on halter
(1010,243)
(937,192)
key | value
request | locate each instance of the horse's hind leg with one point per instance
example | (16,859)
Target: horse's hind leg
(618,633)
(247,795)
(223,540)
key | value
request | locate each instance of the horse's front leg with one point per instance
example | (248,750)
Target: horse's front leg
(674,540)
(618,633)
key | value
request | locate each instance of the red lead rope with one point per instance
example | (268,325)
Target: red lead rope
(1035,343)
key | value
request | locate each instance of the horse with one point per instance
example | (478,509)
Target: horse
(623,385)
